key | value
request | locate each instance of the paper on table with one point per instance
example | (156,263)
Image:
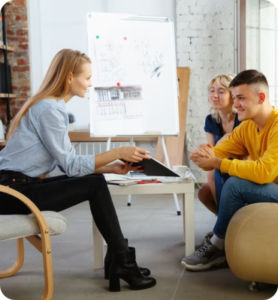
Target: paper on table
(116,177)
(142,177)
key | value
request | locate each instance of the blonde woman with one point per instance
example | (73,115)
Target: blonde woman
(38,142)
(219,124)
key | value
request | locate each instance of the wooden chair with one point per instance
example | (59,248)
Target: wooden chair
(22,226)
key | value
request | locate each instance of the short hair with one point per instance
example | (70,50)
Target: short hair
(250,77)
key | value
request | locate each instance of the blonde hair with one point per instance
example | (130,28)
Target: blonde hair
(55,83)
(224,80)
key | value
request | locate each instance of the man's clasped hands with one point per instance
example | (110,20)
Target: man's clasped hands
(205,158)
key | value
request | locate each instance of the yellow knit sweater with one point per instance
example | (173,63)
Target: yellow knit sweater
(262,147)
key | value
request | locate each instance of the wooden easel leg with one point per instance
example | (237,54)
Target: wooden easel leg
(18,263)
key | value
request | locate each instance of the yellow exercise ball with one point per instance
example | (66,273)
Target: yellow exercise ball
(252,243)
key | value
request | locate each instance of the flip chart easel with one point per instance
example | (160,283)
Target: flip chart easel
(135,83)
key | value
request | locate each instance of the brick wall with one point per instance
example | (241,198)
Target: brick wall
(17,37)
(205,44)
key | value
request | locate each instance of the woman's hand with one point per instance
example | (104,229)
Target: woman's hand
(119,167)
(128,153)
(132,154)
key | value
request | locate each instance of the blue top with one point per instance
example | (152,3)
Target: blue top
(215,128)
(41,142)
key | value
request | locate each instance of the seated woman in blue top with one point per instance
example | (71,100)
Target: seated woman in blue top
(38,141)
(219,124)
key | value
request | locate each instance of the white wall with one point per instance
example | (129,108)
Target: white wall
(62,24)
(205,44)
(159,8)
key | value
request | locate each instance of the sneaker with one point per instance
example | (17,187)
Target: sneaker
(208,236)
(204,258)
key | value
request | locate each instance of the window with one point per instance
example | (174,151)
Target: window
(261,19)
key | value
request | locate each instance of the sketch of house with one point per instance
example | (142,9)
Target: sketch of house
(119,93)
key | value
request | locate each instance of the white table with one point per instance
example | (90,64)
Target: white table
(185,188)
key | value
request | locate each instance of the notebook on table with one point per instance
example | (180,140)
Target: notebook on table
(153,167)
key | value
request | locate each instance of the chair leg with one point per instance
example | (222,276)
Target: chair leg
(18,263)
(47,266)
(253,286)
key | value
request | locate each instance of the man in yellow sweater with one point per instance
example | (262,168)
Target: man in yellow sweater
(251,181)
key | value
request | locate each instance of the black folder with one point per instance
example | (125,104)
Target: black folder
(152,167)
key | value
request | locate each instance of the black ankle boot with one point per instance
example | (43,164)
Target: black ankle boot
(108,261)
(124,267)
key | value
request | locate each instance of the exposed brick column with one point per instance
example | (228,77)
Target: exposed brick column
(17,37)
(205,44)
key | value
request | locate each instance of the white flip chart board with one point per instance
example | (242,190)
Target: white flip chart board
(134,76)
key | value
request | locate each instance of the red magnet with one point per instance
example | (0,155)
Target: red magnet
(125,38)
(118,84)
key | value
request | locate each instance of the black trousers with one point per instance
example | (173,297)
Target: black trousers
(61,192)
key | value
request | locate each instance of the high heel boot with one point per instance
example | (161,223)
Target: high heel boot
(108,261)
(124,267)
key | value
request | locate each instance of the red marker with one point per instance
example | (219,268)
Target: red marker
(118,84)
(146,182)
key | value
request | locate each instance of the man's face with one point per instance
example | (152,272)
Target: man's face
(246,101)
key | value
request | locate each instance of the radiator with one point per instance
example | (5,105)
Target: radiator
(88,148)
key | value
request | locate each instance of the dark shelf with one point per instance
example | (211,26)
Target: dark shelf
(5,48)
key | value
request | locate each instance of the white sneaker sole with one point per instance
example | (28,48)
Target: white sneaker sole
(202,267)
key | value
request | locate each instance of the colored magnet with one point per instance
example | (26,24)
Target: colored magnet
(125,38)
(118,84)
(97,37)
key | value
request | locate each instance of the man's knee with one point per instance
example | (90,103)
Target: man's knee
(232,184)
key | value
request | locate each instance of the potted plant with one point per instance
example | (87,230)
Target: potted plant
(71,121)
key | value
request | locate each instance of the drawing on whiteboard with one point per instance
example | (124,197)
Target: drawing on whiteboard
(110,64)
(119,93)
(150,59)
(124,102)
(156,71)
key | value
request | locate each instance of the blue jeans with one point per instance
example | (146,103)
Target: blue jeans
(236,193)
(219,179)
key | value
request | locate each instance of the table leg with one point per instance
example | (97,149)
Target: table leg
(183,216)
(129,200)
(189,223)
(97,248)
(177,204)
